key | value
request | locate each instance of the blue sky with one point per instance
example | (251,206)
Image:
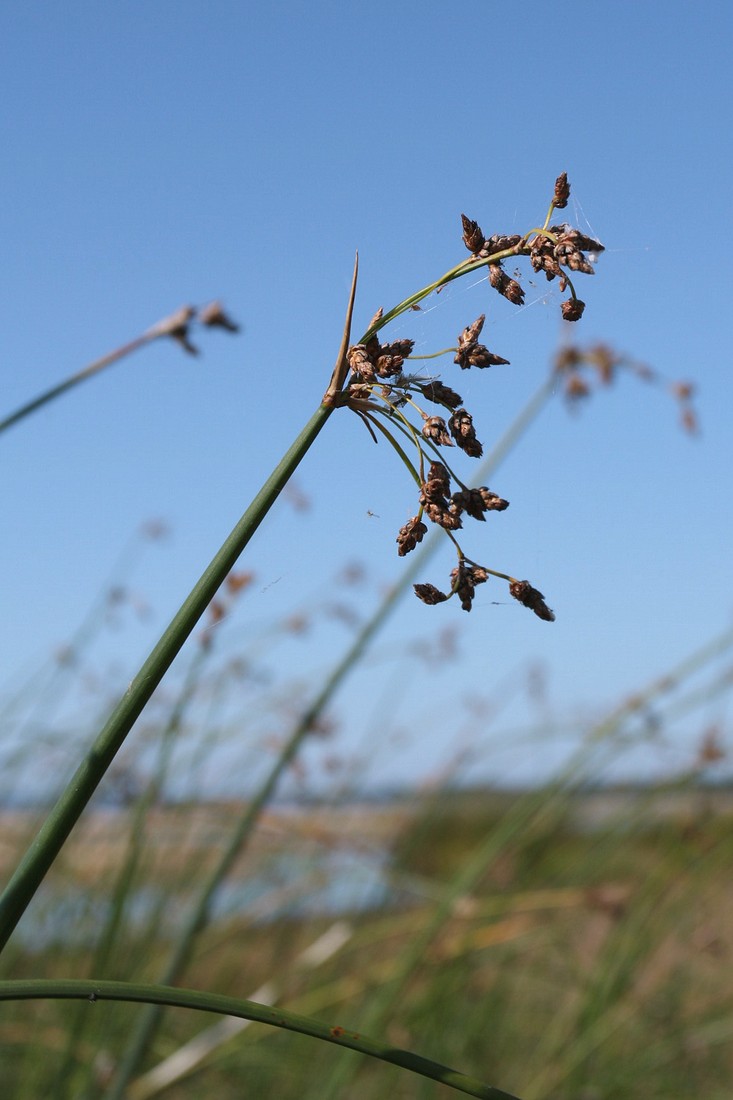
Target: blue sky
(156,154)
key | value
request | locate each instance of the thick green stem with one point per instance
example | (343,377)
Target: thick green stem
(67,811)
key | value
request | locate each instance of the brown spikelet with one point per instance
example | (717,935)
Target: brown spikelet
(410,535)
(572,309)
(429,594)
(441,395)
(531,598)
(214,316)
(473,237)
(562,191)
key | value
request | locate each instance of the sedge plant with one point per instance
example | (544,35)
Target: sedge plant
(369,379)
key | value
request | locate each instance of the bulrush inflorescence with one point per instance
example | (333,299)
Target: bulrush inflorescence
(381,391)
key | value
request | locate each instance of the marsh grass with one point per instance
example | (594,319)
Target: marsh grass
(506,937)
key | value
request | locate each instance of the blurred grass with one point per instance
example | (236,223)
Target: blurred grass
(584,962)
(563,942)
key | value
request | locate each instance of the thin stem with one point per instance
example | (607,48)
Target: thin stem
(393,442)
(463,268)
(64,815)
(434,355)
(94,992)
(164,327)
(199,916)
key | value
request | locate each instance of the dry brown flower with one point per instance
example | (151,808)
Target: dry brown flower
(177,327)
(464,579)
(473,237)
(410,535)
(359,362)
(507,287)
(477,501)
(214,316)
(562,191)
(461,428)
(441,395)
(531,598)
(500,242)
(572,309)
(429,594)
(471,353)
(435,428)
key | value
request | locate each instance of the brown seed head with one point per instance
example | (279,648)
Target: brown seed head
(360,363)
(500,243)
(509,288)
(437,485)
(177,326)
(473,237)
(578,239)
(441,395)
(388,366)
(562,191)
(464,579)
(410,535)
(435,428)
(429,594)
(472,354)
(531,598)
(214,316)
(461,428)
(572,309)
(477,501)
(576,387)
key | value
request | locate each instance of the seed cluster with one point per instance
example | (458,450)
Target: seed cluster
(383,394)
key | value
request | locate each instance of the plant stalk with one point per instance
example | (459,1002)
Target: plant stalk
(68,809)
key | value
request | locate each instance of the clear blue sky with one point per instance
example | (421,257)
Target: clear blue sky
(156,154)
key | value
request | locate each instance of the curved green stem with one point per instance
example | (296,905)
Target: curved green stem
(372,418)
(463,268)
(248,1010)
(67,811)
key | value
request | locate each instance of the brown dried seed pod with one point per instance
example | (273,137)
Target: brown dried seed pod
(473,237)
(477,501)
(376,318)
(214,316)
(460,426)
(531,598)
(492,501)
(437,484)
(410,535)
(441,395)
(388,366)
(472,354)
(464,579)
(562,191)
(399,347)
(435,428)
(359,361)
(499,242)
(509,288)
(429,594)
(578,239)
(480,356)
(576,387)
(572,309)
(545,261)
(440,513)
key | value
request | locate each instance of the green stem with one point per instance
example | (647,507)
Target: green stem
(199,916)
(81,989)
(463,268)
(73,380)
(62,818)
(373,420)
